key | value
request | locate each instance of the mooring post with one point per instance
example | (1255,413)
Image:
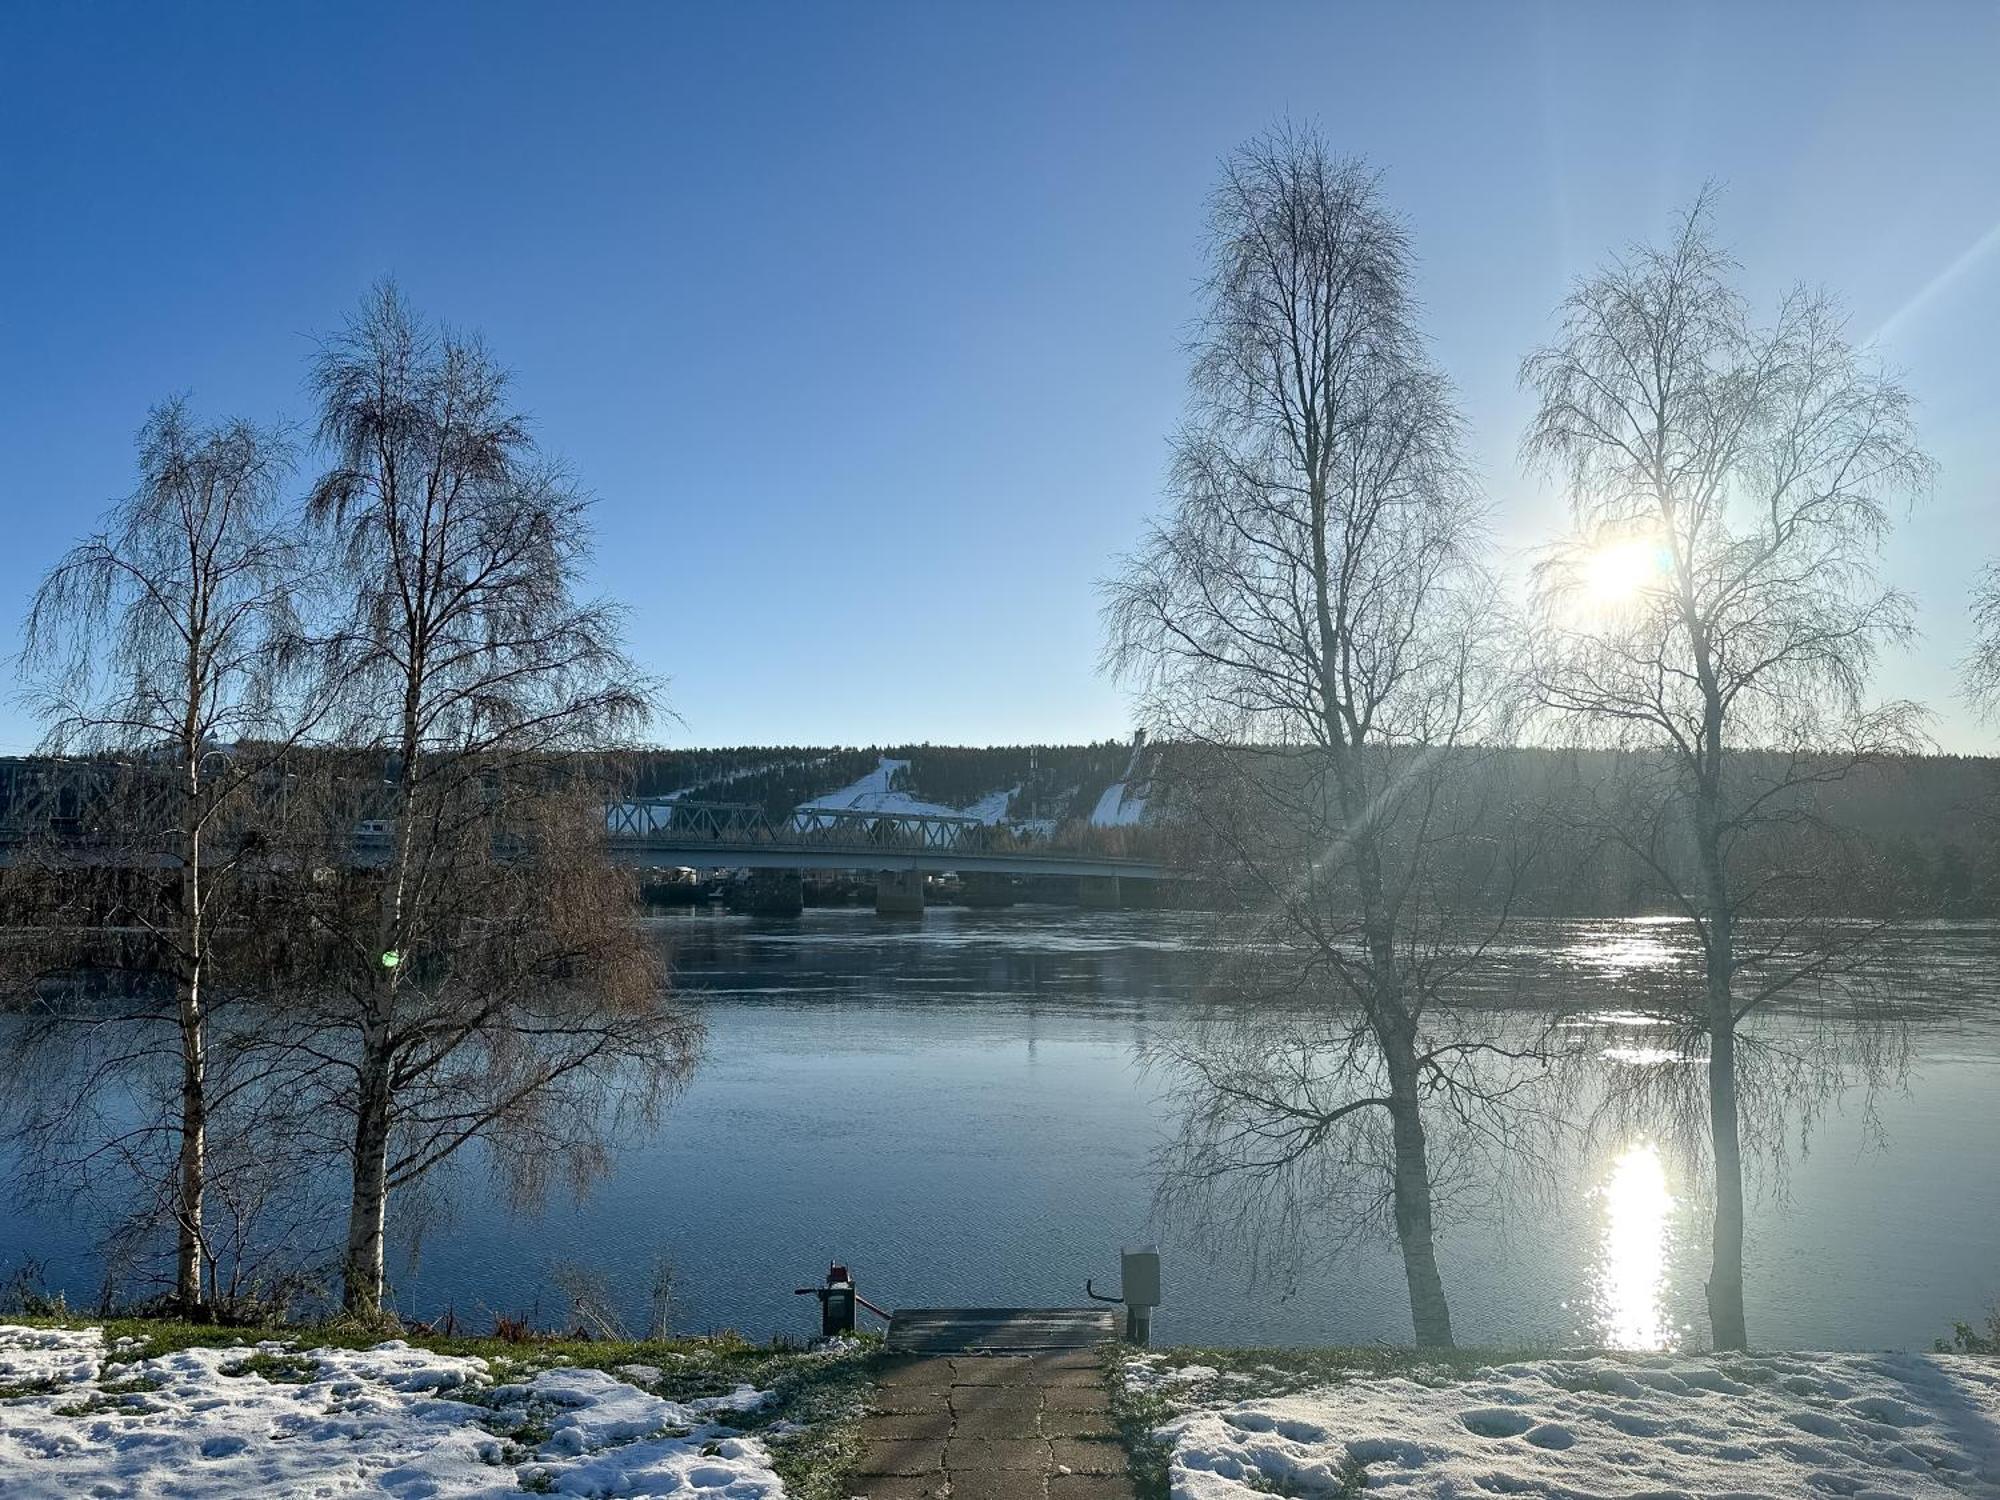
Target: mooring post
(836,1301)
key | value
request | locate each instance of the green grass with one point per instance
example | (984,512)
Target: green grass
(22,1390)
(822,1391)
(826,1394)
(1966,1339)
(279,1369)
(97,1404)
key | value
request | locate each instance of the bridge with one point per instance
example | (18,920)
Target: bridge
(900,847)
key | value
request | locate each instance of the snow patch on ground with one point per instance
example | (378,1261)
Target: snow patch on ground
(392,1420)
(1777,1425)
(1147,1373)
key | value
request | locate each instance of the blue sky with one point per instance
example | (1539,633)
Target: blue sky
(864,322)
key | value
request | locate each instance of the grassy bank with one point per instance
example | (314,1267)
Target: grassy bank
(809,1425)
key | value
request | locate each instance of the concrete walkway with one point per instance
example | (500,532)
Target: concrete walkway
(992,1427)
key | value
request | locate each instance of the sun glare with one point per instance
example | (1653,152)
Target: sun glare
(1632,1253)
(1619,572)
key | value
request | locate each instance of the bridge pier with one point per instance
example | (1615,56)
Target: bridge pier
(1099,892)
(775,893)
(984,889)
(899,893)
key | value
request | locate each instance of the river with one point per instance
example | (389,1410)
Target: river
(953,1107)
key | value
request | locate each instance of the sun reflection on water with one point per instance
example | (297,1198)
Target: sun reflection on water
(1621,950)
(1632,1252)
(1643,1057)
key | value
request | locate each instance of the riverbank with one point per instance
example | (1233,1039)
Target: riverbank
(154,1408)
(158,1410)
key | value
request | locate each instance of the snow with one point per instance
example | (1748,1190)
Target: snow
(1121,806)
(1778,1425)
(992,808)
(392,1420)
(874,793)
(1123,803)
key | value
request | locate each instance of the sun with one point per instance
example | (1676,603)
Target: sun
(1618,572)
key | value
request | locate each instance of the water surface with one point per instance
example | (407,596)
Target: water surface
(954,1108)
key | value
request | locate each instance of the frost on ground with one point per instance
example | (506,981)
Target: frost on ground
(392,1420)
(1778,1425)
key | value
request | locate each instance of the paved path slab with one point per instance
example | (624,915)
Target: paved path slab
(1014,1426)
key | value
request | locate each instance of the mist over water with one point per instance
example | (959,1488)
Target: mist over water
(954,1107)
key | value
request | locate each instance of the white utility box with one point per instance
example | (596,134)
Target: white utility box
(1139,1276)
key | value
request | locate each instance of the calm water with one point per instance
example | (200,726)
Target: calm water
(953,1108)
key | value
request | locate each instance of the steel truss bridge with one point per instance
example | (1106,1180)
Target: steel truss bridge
(710,835)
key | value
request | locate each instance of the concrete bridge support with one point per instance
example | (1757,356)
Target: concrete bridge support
(1099,892)
(775,893)
(988,890)
(899,893)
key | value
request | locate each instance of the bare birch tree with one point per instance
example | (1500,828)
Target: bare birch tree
(157,640)
(1310,627)
(1982,665)
(1728,484)
(486,973)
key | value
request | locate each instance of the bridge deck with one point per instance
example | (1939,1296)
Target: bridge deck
(665,853)
(999,1330)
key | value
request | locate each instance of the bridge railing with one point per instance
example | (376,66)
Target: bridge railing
(740,825)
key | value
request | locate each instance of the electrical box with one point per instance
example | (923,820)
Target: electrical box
(1139,1276)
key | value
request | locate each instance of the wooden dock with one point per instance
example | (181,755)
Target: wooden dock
(1000,1330)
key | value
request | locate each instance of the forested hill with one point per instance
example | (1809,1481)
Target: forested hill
(1927,822)
(1917,834)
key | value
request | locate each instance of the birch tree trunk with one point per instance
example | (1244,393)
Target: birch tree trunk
(1727,1327)
(1725,1276)
(362,1269)
(192,1169)
(1429,1313)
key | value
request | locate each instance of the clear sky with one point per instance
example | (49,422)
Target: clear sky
(864,322)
